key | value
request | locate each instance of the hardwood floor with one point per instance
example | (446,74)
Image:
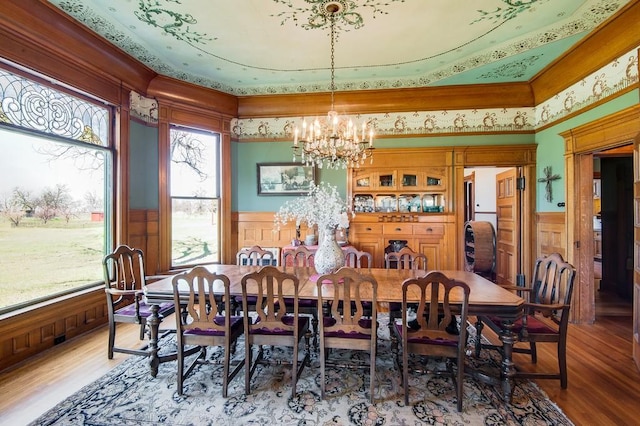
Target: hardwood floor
(604,384)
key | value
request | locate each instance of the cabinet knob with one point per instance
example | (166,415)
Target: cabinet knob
(368,229)
(429,229)
(398,229)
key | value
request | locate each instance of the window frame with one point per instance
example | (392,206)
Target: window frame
(110,174)
(216,196)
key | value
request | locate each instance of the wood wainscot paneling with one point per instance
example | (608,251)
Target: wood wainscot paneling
(257,228)
(552,234)
(144,234)
(32,330)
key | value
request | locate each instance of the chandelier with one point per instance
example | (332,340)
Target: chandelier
(333,142)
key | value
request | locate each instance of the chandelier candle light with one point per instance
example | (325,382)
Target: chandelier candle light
(335,142)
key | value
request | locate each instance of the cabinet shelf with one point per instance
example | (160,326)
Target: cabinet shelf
(405,196)
(419,190)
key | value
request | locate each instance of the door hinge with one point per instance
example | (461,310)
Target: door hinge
(577,244)
(520,183)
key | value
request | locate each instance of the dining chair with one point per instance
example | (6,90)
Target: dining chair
(546,315)
(253,256)
(274,323)
(405,258)
(256,256)
(302,257)
(203,324)
(344,323)
(428,335)
(124,279)
(354,258)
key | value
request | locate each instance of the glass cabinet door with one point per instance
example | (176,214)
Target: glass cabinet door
(362,180)
(387,180)
(409,179)
(433,181)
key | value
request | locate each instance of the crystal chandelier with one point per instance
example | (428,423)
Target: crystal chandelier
(335,142)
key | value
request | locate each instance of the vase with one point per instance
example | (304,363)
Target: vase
(329,257)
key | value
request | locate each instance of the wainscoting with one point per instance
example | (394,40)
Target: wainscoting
(144,234)
(257,228)
(32,330)
(552,236)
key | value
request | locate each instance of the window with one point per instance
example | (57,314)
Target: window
(55,181)
(195,197)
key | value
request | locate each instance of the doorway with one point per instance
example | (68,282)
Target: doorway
(491,196)
(613,232)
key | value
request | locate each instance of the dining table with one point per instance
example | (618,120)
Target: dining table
(485,299)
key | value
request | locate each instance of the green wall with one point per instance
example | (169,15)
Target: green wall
(143,166)
(244,184)
(245,156)
(550,150)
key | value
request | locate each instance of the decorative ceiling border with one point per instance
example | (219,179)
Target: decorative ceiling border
(612,78)
(616,76)
(592,17)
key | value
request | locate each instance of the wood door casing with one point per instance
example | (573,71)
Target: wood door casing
(508,228)
(635,340)
(610,132)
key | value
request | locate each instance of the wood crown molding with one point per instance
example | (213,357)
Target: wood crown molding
(495,155)
(38,36)
(615,129)
(477,96)
(179,92)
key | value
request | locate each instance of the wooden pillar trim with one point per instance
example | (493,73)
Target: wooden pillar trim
(205,119)
(581,143)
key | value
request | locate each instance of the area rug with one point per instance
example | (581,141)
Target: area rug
(128,395)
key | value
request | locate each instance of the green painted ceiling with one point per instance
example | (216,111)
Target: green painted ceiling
(251,47)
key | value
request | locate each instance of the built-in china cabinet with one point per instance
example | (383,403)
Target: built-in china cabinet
(404,194)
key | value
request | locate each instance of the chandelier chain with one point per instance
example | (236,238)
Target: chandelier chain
(335,142)
(333,68)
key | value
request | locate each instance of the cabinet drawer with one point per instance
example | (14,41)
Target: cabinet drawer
(397,228)
(428,229)
(366,228)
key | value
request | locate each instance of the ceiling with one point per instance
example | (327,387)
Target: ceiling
(253,47)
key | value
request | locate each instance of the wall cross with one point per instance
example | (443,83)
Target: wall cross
(547,179)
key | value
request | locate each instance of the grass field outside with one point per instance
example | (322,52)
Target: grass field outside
(195,238)
(39,260)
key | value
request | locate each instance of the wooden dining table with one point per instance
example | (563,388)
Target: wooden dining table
(485,298)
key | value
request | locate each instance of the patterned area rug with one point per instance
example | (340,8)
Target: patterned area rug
(128,395)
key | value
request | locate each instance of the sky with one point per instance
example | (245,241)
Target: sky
(21,165)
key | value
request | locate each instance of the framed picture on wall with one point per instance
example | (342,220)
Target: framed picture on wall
(285,178)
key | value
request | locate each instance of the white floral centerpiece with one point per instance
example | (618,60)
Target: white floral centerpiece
(323,207)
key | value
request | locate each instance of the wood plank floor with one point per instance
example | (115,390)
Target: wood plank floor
(604,384)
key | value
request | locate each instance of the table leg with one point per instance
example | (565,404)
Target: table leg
(154,323)
(508,372)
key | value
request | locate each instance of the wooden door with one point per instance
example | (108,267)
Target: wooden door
(508,227)
(636,249)
(469,197)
